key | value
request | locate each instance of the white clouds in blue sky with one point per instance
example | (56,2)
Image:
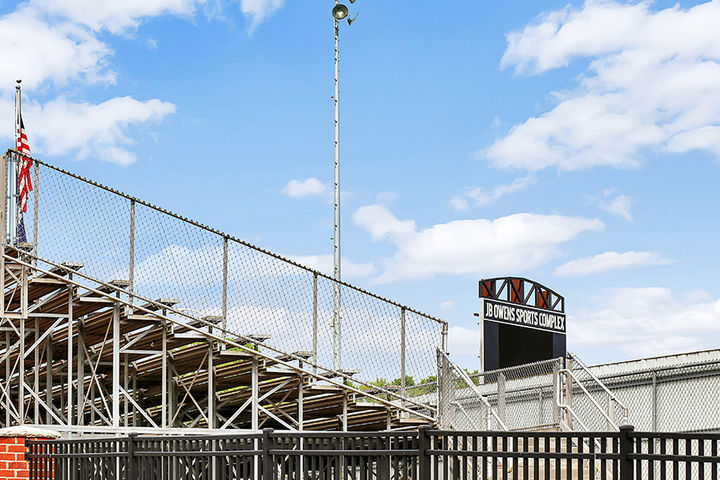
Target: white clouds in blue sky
(478,196)
(259,9)
(607,261)
(469,247)
(652,84)
(650,321)
(303,188)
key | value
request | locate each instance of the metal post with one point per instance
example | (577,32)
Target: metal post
(569,392)
(36,363)
(611,413)
(225,284)
(423,457)
(164,400)
(403,390)
(337,311)
(36,207)
(70,355)
(116,367)
(49,379)
(8,400)
(21,372)
(131,455)
(267,460)
(315,322)
(626,449)
(255,389)
(445,391)
(345,411)
(541,413)
(654,403)
(82,353)
(557,414)
(211,388)
(5,199)
(501,401)
(126,387)
(3,224)
(301,403)
(131,274)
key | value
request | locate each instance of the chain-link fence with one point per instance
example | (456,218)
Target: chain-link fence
(671,398)
(211,274)
(566,394)
(516,398)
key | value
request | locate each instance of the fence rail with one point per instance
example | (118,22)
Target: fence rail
(423,455)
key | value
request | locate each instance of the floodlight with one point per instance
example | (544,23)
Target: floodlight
(339,11)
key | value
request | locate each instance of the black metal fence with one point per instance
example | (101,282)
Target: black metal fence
(423,455)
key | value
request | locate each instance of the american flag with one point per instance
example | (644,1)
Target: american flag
(24,165)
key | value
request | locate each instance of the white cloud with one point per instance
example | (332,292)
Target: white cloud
(36,51)
(387,197)
(303,188)
(447,304)
(653,84)
(480,197)
(515,243)
(619,205)
(115,16)
(326,265)
(604,262)
(60,127)
(257,10)
(52,44)
(639,322)
(464,342)
(459,203)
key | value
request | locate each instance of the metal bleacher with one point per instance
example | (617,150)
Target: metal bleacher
(85,355)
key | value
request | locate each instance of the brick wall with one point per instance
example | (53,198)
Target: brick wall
(12,458)
(13,463)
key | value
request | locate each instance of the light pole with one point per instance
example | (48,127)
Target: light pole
(339,12)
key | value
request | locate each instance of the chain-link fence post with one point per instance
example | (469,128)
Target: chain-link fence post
(654,402)
(557,414)
(315,321)
(569,392)
(36,207)
(403,390)
(131,274)
(501,399)
(225,284)
(5,202)
(446,390)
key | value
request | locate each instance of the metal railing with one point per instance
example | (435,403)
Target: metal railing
(598,401)
(423,455)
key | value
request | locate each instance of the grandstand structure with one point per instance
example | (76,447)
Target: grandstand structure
(119,316)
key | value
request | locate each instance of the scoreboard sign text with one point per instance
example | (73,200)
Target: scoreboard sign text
(523,316)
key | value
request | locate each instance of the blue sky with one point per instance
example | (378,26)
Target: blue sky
(575,143)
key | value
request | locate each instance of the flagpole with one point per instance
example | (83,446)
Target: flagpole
(12,171)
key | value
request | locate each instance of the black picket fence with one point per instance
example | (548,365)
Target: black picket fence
(423,455)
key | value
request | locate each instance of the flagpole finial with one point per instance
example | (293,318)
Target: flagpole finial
(18,83)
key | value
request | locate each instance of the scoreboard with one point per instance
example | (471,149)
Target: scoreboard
(521,322)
